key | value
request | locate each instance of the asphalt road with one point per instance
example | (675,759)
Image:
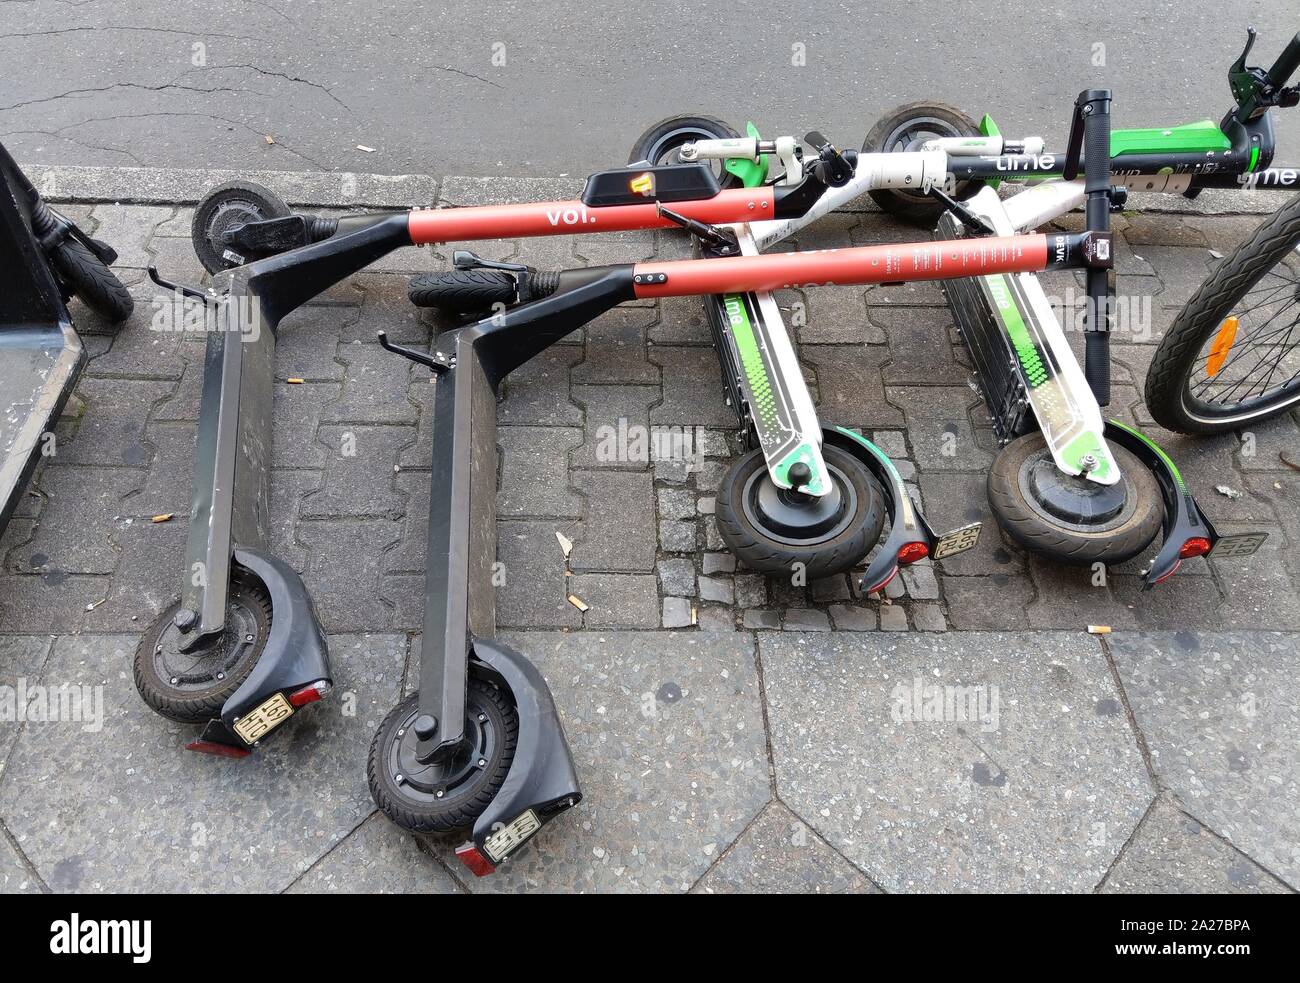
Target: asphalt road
(526,88)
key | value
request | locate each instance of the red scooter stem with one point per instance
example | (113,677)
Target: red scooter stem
(549,218)
(861,264)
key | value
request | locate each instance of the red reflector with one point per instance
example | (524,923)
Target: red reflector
(309,694)
(478,864)
(221,750)
(1196,546)
(911,552)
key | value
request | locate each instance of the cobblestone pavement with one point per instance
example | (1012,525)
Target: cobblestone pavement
(732,732)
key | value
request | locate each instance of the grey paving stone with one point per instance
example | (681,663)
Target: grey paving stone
(163,819)
(307,342)
(719,563)
(1036,792)
(358,476)
(32,603)
(80,523)
(676,577)
(677,537)
(168,485)
(929,617)
(1258,592)
(853,617)
(955,499)
(758,619)
(616,349)
(779,854)
(616,431)
(129,228)
(538,392)
(849,386)
(15,878)
(298,411)
(1174,854)
(831,589)
(806,619)
(924,355)
(147,579)
(667,735)
(534,472)
(374,387)
(1217,712)
(21,660)
(939,424)
(693,393)
(893,617)
(751,589)
(618,530)
(536,590)
(717,589)
(677,613)
(676,503)
(829,316)
(681,322)
(357,546)
(617,600)
(1074,597)
(111,428)
(998,602)
(377,858)
(714,618)
(920,581)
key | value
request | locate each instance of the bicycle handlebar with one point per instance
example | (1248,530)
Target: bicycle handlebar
(1287,63)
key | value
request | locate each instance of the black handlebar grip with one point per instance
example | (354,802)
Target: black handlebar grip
(1096,142)
(1287,62)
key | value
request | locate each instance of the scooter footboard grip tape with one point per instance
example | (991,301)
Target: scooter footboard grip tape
(1096,364)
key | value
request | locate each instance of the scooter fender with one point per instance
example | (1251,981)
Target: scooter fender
(295,658)
(542,781)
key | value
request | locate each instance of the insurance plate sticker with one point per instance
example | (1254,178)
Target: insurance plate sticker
(957,541)
(1238,545)
(263,719)
(512,836)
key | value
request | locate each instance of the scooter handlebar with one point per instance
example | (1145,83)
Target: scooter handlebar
(1287,63)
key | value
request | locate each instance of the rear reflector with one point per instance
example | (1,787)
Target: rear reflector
(911,552)
(478,864)
(309,694)
(221,750)
(1196,546)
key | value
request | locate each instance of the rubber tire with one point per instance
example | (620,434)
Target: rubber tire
(709,127)
(263,201)
(190,706)
(1176,355)
(456,814)
(759,552)
(1037,535)
(84,275)
(462,291)
(912,206)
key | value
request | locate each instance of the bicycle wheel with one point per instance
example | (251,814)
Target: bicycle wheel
(1232,356)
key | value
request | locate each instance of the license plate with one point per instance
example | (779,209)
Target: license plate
(263,719)
(512,836)
(1239,545)
(957,541)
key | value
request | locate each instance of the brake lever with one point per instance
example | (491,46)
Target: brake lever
(436,361)
(834,169)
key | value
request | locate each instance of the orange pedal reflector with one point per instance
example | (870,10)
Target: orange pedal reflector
(1223,340)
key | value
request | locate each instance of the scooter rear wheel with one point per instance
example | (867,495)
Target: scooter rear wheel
(772,529)
(1070,519)
(231,204)
(907,128)
(663,141)
(443,796)
(82,273)
(192,687)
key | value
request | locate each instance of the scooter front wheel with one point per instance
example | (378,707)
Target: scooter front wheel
(448,794)
(777,531)
(662,143)
(462,292)
(84,275)
(1066,517)
(223,208)
(908,128)
(191,686)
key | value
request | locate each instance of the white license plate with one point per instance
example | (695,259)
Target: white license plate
(1239,545)
(510,837)
(263,719)
(957,541)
